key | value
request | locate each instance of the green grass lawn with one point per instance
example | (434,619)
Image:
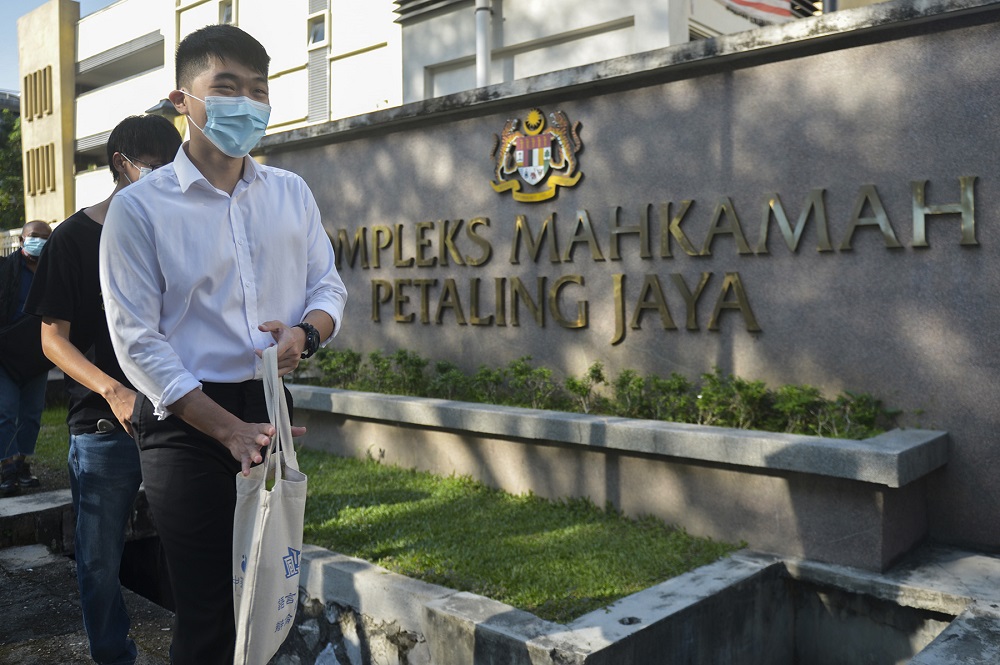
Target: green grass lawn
(49,462)
(557,560)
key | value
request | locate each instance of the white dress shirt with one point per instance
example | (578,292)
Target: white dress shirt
(188,272)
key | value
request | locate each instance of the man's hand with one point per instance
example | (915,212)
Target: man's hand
(290,341)
(245,442)
(122,402)
(60,350)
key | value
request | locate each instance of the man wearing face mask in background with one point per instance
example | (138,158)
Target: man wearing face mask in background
(204,264)
(23,369)
(103,459)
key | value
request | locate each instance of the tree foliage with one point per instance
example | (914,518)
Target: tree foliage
(11,175)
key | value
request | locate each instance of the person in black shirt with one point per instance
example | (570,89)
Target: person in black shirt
(23,369)
(103,458)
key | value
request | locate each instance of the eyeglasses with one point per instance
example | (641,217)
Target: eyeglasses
(136,163)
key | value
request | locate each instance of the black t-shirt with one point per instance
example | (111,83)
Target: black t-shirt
(67,286)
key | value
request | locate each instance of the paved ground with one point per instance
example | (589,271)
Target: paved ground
(39,598)
(40,605)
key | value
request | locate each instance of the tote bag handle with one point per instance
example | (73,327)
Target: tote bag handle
(277,411)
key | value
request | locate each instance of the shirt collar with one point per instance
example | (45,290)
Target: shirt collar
(188,173)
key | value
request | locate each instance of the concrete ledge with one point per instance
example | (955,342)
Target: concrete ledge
(452,628)
(855,503)
(893,459)
(372,614)
(47,518)
(973,637)
(42,518)
(750,608)
(934,577)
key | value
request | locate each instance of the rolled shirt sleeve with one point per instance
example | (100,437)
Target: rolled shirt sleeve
(131,287)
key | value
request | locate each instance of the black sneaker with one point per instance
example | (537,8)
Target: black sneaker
(24,477)
(8,481)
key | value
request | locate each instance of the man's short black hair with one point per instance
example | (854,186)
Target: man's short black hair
(138,135)
(223,42)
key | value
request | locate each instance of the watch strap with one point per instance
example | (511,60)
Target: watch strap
(312,338)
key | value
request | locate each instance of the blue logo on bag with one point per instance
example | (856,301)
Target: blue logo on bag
(291,563)
(243,563)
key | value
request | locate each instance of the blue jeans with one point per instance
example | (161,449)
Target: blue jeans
(104,477)
(20,414)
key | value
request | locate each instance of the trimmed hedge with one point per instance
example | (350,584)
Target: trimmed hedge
(716,399)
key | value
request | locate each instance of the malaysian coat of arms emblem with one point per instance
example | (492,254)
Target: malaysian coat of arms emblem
(539,153)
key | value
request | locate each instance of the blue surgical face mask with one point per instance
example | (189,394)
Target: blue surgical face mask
(143,170)
(33,246)
(234,124)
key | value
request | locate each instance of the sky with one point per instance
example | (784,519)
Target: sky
(10,11)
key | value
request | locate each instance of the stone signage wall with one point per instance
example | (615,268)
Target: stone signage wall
(813,203)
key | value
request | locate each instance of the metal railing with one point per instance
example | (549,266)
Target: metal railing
(9,240)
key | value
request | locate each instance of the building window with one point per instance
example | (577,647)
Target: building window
(37,93)
(41,169)
(226,11)
(317,30)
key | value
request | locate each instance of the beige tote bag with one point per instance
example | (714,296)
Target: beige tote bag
(267,535)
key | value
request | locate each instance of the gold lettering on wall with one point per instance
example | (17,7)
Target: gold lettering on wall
(652,298)
(724,210)
(734,285)
(966,207)
(673,225)
(581,305)
(522,230)
(815,209)
(486,249)
(868,198)
(641,229)
(659,295)
(583,233)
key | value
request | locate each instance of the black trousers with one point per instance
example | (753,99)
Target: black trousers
(190,482)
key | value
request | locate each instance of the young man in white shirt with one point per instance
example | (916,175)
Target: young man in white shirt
(204,263)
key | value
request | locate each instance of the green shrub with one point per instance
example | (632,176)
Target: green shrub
(530,386)
(449,382)
(583,388)
(629,395)
(854,416)
(488,385)
(671,399)
(409,373)
(720,399)
(715,399)
(801,407)
(338,368)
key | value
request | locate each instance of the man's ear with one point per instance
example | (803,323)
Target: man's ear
(118,163)
(179,100)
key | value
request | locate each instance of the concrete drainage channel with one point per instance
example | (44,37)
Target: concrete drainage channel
(748,609)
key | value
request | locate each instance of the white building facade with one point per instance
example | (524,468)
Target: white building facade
(81,76)
(330,59)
